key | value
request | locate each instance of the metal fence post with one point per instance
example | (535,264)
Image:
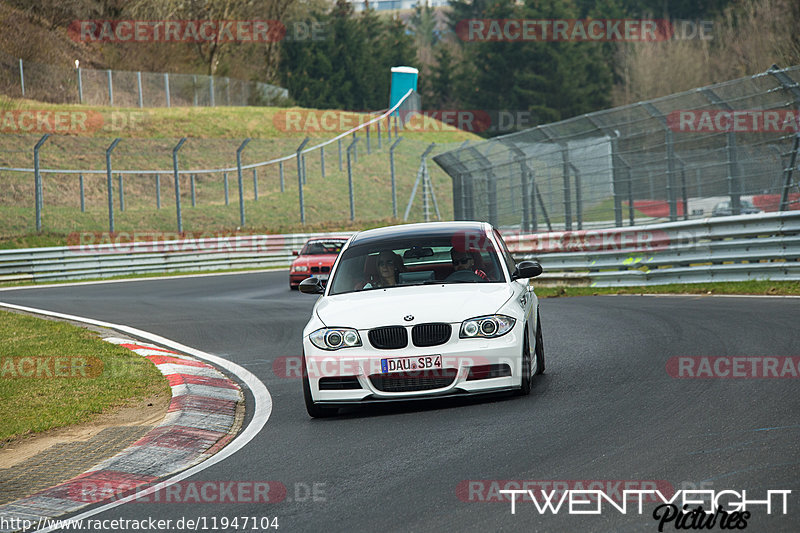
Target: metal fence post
(300,179)
(378,126)
(22,77)
(322,159)
(578,198)
(355,149)
(177,182)
(83,197)
(121,192)
(241,186)
(80,86)
(194,91)
(567,192)
(369,148)
(280,171)
(350,178)
(37,177)
(211,90)
(158,191)
(389,128)
(787,173)
(303,165)
(166,87)
(139,88)
(340,154)
(391,168)
(225,184)
(192,186)
(110,88)
(255,184)
(109,185)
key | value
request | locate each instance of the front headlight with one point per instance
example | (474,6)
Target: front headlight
(301,268)
(335,338)
(490,326)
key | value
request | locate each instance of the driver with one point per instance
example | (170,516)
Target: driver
(466,261)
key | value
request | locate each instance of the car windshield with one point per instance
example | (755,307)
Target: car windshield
(322,247)
(416,261)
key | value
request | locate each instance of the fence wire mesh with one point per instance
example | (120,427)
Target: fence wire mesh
(726,149)
(65,85)
(75,193)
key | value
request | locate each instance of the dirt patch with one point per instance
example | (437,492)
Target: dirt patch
(146,412)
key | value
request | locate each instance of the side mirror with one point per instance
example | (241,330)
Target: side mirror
(527,269)
(312,285)
(295,252)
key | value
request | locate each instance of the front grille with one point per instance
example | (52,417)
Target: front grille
(339,383)
(320,269)
(432,334)
(414,381)
(388,337)
(488,372)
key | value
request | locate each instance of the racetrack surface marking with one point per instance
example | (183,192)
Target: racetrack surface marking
(261,411)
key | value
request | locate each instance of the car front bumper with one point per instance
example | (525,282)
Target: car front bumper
(458,356)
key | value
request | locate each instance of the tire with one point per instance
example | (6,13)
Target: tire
(314,410)
(525,387)
(539,346)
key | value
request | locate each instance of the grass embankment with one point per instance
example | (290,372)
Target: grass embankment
(765,288)
(54,374)
(213,135)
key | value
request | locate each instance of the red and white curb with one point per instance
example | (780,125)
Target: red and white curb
(200,421)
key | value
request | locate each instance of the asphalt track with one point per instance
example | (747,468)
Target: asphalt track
(607,409)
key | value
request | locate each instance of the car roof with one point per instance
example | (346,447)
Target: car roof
(327,239)
(428,229)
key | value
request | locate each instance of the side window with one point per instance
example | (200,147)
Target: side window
(506,254)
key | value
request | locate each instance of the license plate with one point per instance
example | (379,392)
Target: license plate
(411,364)
(322,276)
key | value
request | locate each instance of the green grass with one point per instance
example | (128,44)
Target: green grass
(112,376)
(770,288)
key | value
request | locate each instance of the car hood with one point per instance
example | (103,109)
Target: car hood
(321,259)
(430,303)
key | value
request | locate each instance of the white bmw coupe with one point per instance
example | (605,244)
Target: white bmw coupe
(420,311)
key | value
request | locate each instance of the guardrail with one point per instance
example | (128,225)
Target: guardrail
(736,248)
(90,260)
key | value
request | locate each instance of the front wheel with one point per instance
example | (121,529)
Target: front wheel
(314,410)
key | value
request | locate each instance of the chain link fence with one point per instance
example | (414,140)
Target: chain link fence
(726,149)
(65,85)
(103,184)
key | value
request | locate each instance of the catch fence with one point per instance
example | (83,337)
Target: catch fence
(726,149)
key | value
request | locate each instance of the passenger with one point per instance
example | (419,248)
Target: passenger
(466,261)
(389,266)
